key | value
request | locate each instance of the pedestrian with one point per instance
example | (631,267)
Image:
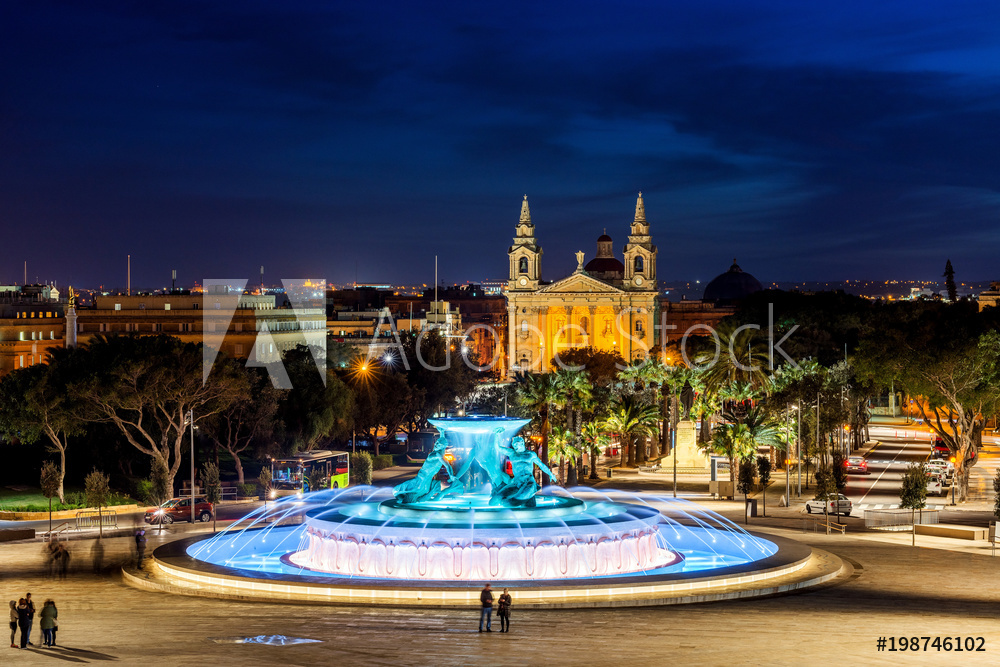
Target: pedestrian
(31,615)
(503,610)
(13,623)
(140,547)
(63,560)
(97,556)
(486,599)
(48,617)
(22,621)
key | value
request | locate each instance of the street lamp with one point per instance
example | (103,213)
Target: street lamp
(191,420)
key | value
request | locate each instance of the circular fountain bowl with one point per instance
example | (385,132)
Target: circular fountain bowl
(288,552)
(559,538)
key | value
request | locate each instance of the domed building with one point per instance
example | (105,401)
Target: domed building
(732,286)
(607,304)
(605,266)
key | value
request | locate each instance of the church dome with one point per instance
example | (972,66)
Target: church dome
(605,265)
(733,285)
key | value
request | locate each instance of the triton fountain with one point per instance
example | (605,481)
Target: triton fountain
(475,513)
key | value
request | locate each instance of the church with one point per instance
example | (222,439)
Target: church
(607,303)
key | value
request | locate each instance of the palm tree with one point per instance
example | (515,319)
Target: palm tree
(593,436)
(739,438)
(631,418)
(540,393)
(743,357)
(561,449)
(577,391)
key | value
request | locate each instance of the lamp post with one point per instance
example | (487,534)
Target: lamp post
(788,436)
(798,443)
(191,420)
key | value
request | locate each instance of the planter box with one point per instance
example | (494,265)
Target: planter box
(65,514)
(12,534)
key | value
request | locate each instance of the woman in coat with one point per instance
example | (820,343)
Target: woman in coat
(504,611)
(13,623)
(22,621)
(49,615)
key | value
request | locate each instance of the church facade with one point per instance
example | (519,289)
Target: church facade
(608,304)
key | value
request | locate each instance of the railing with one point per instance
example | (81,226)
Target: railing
(826,525)
(49,534)
(93,519)
(900,519)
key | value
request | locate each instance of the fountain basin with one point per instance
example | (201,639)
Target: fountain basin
(559,538)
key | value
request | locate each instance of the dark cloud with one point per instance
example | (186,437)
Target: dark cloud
(343,138)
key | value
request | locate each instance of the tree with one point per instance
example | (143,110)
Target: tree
(764,472)
(213,488)
(318,479)
(51,480)
(250,418)
(913,493)
(312,411)
(264,479)
(950,359)
(35,404)
(361,464)
(595,439)
(826,489)
(949,282)
(160,489)
(383,401)
(437,372)
(97,490)
(996,497)
(147,386)
(576,394)
(561,449)
(839,470)
(631,419)
(745,483)
(541,394)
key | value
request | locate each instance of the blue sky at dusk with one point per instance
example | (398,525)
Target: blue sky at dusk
(813,141)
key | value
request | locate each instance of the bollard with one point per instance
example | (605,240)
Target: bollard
(609,473)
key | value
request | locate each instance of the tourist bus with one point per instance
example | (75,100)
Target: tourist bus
(290,475)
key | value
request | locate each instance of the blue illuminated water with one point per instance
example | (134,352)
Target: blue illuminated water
(264,540)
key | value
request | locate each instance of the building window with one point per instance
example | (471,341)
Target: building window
(638,325)
(118,306)
(239,348)
(166,306)
(638,264)
(524,326)
(142,306)
(522,265)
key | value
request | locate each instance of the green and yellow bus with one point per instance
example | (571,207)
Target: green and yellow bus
(290,476)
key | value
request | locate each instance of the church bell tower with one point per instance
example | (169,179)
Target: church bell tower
(525,255)
(640,253)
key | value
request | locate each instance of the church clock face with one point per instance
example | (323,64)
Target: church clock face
(638,281)
(523,281)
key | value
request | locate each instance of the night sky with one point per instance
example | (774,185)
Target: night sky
(813,141)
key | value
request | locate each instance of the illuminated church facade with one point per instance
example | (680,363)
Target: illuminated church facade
(608,304)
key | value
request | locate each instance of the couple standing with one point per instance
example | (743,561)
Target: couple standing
(503,609)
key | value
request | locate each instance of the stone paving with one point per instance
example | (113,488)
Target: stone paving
(940,588)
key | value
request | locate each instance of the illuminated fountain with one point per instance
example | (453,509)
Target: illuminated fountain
(474,513)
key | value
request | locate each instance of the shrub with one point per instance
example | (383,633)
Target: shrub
(144,491)
(361,466)
(383,461)
(248,489)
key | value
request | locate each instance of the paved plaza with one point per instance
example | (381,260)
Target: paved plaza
(940,588)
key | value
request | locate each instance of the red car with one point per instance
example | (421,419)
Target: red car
(179,509)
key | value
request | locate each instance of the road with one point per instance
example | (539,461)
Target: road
(904,446)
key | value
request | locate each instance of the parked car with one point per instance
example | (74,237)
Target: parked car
(942,467)
(856,464)
(942,451)
(179,509)
(935,485)
(840,504)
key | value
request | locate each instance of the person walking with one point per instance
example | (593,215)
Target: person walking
(140,547)
(47,619)
(486,599)
(503,610)
(31,616)
(22,621)
(13,623)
